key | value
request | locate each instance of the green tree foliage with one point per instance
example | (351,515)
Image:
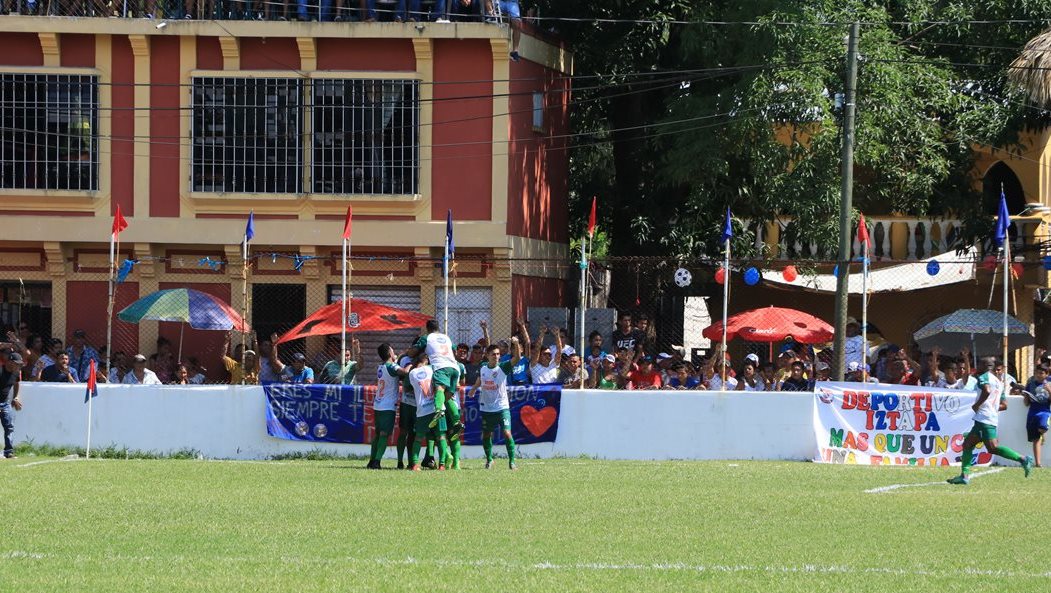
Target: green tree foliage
(688,118)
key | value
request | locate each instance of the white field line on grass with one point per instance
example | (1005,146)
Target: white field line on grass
(46,461)
(883,489)
(20,555)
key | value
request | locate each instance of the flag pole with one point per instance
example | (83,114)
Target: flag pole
(445,273)
(346,308)
(113,248)
(583,304)
(864,310)
(1007,281)
(726,303)
(87,445)
(244,306)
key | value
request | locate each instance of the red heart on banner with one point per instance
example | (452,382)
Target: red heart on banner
(537,422)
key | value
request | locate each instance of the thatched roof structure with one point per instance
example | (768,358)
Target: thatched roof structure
(1031,70)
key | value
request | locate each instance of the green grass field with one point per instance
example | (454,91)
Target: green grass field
(557,525)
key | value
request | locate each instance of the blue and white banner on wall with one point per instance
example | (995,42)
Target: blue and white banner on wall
(343,413)
(876,424)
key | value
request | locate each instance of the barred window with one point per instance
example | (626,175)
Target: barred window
(49,132)
(366,136)
(246,135)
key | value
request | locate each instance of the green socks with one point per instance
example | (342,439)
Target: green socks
(1008,453)
(414,453)
(439,399)
(510,444)
(966,459)
(379,446)
(487,446)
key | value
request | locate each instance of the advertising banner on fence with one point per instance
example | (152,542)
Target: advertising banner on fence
(868,423)
(343,413)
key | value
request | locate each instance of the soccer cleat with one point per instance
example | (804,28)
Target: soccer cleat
(437,418)
(429,463)
(1027,465)
(511,466)
(401,465)
(414,467)
(960,479)
(514,56)
(488,464)
(455,431)
(441,468)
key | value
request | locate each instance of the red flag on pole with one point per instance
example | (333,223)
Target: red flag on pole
(346,224)
(119,224)
(863,232)
(591,219)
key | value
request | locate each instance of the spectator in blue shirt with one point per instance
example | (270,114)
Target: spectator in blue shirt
(81,354)
(60,372)
(1038,398)
(298,372)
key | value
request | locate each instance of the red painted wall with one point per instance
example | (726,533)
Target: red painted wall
(20,49)
(164,126)
(206,346)
(533,291)
(209,54)
(538,163)
(272,53)
(76,50)
(462,169)
(366,54)
(122,146)
(86,310)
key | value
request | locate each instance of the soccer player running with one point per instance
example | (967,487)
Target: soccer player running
(986,415)
(422,379)
(494,404)
(446,378)
(385,404)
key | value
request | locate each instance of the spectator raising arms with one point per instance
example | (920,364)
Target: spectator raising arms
(646,376)
(545,362)
(604,373)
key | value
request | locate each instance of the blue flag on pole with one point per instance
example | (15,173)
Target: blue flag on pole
(250,227)
(728,230)
(449,235)
(1003,220)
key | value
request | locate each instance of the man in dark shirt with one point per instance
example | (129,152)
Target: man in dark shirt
(9,400)
(626,337)
(795,381)
(60,372)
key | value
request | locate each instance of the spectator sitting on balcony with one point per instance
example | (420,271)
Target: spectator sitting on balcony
(796,381)
(298,372)
(195,371)
(749,379)
(823,372)
(680,377)
(513,12)
(854,344)
(604,373)
(446,11)
(182,375)
(118,368)
(342,374)
(595,350)
(233,365)
(163,361)
(930,375)
(645,376)
(769,375)
(60,372)
(139,374)
(898,373)
(714,372)
(573,374)
(648,332)
(48,358)
(625,336)
(81,353)
(545,362)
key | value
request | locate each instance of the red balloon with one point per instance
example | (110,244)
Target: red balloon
(720,275)
(1016,270)
(789,273)
(989,263)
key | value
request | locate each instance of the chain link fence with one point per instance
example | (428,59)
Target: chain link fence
(657,306)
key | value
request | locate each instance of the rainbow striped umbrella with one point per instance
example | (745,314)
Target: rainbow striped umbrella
(198,309)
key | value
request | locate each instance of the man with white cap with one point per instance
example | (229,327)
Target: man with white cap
(139,374)
(544,362)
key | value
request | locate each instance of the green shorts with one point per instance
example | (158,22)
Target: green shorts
(422,427)
(384,420)
(406,417)
(986,432)
(494,421)
(449,378)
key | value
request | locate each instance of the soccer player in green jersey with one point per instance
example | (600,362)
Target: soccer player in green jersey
(493,401)
(422,378)
(385,404)
(986,415)
(446,378)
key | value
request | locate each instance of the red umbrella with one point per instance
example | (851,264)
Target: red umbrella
(772,324)
(364,316)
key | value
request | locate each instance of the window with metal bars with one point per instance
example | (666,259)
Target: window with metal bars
(49,131)
(246,135)
(365,136)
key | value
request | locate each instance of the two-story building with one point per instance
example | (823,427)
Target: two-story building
(189,126)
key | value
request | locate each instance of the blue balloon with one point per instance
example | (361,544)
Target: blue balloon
(751,276)
(1047,262)
(933,267)
(835,271)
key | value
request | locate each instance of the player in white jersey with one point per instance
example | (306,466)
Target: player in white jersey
(385,404)
(441,352)
(422,379)
(493,400)
(986,416)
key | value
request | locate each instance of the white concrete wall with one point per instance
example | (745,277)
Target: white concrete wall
(230,422)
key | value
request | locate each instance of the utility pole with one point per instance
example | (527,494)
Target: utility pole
(845,206)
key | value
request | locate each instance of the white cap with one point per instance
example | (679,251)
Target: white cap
(663,356)
(853,366)
(567,351)
(752,356)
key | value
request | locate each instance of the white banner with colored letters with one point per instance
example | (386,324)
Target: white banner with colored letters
(876,424)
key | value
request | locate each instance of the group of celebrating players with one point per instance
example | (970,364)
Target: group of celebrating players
(430,419)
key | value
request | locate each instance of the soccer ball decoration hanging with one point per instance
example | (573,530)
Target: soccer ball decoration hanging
(789,273)
(683,277)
